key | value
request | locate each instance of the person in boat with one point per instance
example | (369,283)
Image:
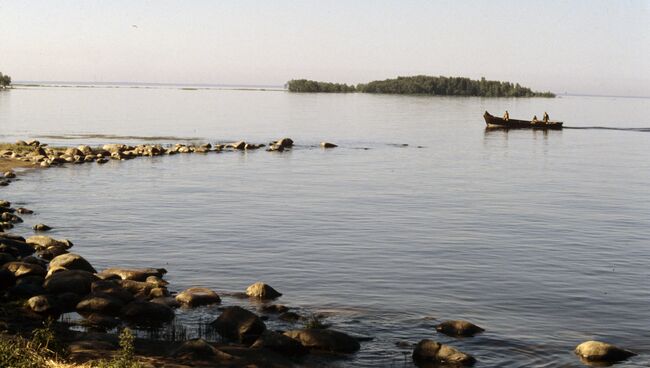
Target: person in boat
(534,119)
(545,117)
(506,116)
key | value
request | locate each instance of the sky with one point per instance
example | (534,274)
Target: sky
(592,46)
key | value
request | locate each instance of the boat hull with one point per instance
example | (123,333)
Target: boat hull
(497,122)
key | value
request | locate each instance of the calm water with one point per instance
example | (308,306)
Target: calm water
(541,238)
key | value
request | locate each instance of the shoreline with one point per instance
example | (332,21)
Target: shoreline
(127,297)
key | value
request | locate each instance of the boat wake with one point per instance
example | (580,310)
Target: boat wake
(647,130)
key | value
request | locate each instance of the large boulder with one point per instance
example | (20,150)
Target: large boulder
(458,328)
(72,261)
(21,269)
(138,274)
(197,296)
(43,304)
(429,351)
(100,303)
(237,323)
(138,289)
(112,289)
(279,343)
(44,242)
(597,351)
(146,313)
(325,340)
(262,291)
(73,281)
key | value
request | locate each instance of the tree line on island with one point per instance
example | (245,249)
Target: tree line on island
(5,81)
(422,85)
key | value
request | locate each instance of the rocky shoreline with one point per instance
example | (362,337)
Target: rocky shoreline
(42,278)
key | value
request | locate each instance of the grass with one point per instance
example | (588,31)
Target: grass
(41,350)
(126,357)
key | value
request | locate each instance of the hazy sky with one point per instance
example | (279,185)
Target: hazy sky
(600,47)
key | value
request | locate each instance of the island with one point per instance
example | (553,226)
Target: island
(5,81)
(423,85)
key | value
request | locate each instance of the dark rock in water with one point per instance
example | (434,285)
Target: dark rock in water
(20,269)
(24,211)
(102,160)
(74,281)
(5,204)
(44,305)
(100,321)
(459,328)
(262,291)
(72,261)
(290,317)
(44,242)
(6,225)
(7,279)
(325,340)
(274,309)
(51,252)
(132,274)
(26,288)
(6,258)
(113,289)
(158,292)
(239,324)
(100,303)
(284,142)
(199,349)
(429,351)
(168,301)
(237,145)
(68,301)
(147,313)
(10,175)
(156,281)
(275,148)
(280,343)
(597,351)
(328,145)
(137,288)
(10,217)
(197,296)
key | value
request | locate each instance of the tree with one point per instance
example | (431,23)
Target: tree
(5,81)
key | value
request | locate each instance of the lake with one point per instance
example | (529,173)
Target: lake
(420,215)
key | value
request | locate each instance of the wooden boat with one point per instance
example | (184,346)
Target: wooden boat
(497,122)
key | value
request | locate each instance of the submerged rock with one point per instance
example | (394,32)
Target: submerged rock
(328,145)
(137,274)
(597,351)
(237,323)
(279,343)
(325,340)
(147,313)
(458,328)
(41,227)
(197,296)
(429,351)
(262,291)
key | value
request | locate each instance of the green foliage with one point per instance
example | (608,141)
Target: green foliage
(449,86)
(5,81)
(18,352)
(304,85)
(314,322)
(423,85)
(126,356)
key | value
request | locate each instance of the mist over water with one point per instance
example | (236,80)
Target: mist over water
(420,214)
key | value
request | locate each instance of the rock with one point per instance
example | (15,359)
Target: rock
(158,292)
(132,274)
(262,291)
(429,351)
(113,289)
(85,150)
(26,288)
(5,204)
(147,313)
(274,308)
(238,145)
(74,281)
(290,317)
(325,340)
(34,143)
(42,241)
(156,281)
(44,304)
(284,142)
(24,211)
(137,288)
(6,258)
(197,296)
(102,160)
(51,252)
(275,148)
(7,279)
(10,217)
(72,261)
(167,300)
(100,303)
(100,321)
(458,328)
(71,151)
(20,143)
(199,349)
(41,227)
(52,270)
(237,323)
(279,343)
(20,269)
(114,148)
(9,174)
(68,301)
(597,351)
(328,145)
